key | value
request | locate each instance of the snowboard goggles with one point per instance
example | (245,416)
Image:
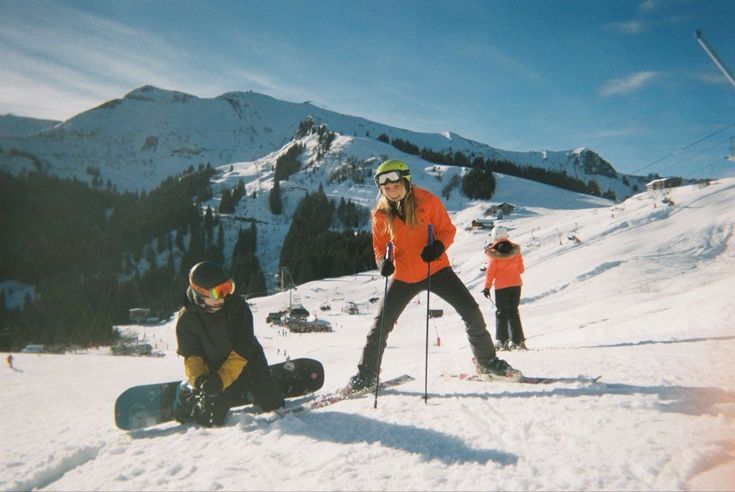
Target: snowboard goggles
(218,291)
(389,177)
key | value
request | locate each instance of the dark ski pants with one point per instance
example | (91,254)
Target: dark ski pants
(449,287)
(507,320)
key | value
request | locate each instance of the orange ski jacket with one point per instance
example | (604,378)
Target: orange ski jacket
(409,241)
(504,269)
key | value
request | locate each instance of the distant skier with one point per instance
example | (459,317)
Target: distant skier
(222,356)
(402,215)
(9,361)
(504,269)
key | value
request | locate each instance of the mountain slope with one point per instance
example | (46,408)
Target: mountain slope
(152,133)
(361,155)
(18,126)
(644,299)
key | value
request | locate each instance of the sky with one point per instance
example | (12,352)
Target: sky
(626,79)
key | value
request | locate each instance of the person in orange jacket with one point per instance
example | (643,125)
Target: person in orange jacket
(504,268)
(402,216)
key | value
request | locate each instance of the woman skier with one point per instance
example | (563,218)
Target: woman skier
(402,216)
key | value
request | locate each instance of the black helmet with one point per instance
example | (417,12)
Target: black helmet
(209,282)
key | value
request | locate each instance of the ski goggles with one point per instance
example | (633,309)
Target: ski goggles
(388,177)
(218,291)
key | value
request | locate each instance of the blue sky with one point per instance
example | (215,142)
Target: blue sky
(624,78)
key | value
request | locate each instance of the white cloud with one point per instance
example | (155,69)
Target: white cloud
(82,59)
(629,84)
(634,26)
(648,6)
(617,132)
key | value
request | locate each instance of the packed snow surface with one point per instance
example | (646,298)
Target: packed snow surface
(639,293)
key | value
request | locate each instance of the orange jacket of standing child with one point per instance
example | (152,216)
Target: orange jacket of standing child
(504,266)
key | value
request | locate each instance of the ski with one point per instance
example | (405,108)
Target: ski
(325,400)
(523,379)
(341,395)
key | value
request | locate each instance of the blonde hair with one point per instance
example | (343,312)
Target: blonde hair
(407,206)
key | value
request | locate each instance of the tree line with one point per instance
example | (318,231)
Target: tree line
(313,249)
(91,254)
(457,158)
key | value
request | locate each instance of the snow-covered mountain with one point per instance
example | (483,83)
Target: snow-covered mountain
(19,126)
(345,171)
(150,134)
(642,297)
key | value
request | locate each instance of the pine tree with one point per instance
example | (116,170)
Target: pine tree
(274,199)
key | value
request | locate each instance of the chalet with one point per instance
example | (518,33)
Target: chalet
(138,315)
(304,326)
(660,184)
(500,210)
(298,312)
(482,224)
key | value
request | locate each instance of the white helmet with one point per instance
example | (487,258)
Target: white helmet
(499,232)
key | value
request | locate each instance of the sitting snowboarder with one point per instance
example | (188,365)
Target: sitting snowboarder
(222,357)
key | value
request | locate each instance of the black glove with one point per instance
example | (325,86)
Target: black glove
(209,384)
(386,268)
(211,410)
(432,251)
(486,292)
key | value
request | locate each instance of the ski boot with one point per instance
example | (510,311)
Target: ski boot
(359,383)
(498,369)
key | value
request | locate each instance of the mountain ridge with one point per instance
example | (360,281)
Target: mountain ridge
(159,132)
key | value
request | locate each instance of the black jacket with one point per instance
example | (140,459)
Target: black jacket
(214,337)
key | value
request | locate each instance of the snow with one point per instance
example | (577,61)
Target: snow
(643,299)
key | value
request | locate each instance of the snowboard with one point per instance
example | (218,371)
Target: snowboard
(146,405)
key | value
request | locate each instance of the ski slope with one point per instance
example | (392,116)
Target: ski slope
(643,297)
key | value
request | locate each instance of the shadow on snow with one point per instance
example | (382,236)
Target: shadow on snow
(688,400)
(348,428)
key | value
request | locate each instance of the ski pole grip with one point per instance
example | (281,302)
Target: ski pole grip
(431,235)
(389,251)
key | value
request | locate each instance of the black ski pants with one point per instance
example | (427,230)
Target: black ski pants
(507,319)
(447,285)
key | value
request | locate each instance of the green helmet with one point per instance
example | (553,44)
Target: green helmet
(392,171)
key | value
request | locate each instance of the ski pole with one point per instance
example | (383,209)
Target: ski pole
(388,257)
(429,242)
